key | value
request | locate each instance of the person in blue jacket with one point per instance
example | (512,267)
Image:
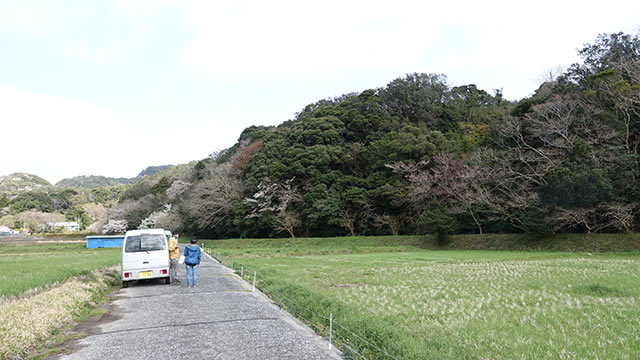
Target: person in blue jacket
(192,255)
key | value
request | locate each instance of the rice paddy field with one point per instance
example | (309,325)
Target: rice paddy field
(45,288)
(34,266)
(396,300)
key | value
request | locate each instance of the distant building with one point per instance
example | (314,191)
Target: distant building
(67,226)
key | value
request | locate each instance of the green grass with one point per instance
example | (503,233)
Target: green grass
(25,267)
(422,304)
(509,242)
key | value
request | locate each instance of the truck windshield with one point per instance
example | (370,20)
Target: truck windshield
(145,243)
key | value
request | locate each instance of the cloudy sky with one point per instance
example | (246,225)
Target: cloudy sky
(111,87)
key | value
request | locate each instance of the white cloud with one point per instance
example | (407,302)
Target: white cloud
(294,49)
(258,39)
(56,137)
(510,44)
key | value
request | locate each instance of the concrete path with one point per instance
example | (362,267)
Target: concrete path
(219,319)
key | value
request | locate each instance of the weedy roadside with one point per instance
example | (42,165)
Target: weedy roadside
(34,324)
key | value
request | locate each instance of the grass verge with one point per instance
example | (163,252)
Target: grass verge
(33,324)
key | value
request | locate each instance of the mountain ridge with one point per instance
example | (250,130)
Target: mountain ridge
(95,181)
(14,183)
(20,182)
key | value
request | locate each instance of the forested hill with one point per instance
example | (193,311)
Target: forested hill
(96,181)
(20,182)
(420,155)
(151,170)
(28,200)
(92,181)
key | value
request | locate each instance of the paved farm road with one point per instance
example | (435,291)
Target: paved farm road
(219,319)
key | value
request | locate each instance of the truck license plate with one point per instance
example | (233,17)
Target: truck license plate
(145,274)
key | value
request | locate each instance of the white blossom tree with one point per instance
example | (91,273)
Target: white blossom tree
(276,199)
(150,221)
(115,227)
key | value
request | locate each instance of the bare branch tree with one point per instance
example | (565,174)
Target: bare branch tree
(620,216)
(177,188)
(551,75)
(210,202)
(391,221)
(449,180)
(171,221)
(505,187)
(37,221)
(568,218)
(348,219)
(287,221)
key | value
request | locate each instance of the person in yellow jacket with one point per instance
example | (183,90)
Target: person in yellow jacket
(174,255)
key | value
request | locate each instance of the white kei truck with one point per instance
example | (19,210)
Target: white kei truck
(145,255)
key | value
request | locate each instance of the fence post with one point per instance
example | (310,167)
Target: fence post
(330,328)
(254,281)
(242,272)
(232,263)
(280,299)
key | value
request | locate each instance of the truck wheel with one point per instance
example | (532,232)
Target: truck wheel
(167,280)
(125,284)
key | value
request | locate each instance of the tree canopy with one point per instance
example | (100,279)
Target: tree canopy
(420,155)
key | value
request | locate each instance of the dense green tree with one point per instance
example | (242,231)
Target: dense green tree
(161,186)
(571,185)
(137,191)
(106,195)
(420,99)
(535,223)
(437,220)
(79,215)
(564,159)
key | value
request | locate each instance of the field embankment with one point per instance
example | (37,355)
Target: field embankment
(501,242)
(415,303)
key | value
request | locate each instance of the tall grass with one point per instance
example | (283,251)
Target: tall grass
(420,304)
(32,323)
(45,287)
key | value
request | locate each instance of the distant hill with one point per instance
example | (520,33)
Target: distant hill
(96,181)
(92,181)
(19,182)
(152,170)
